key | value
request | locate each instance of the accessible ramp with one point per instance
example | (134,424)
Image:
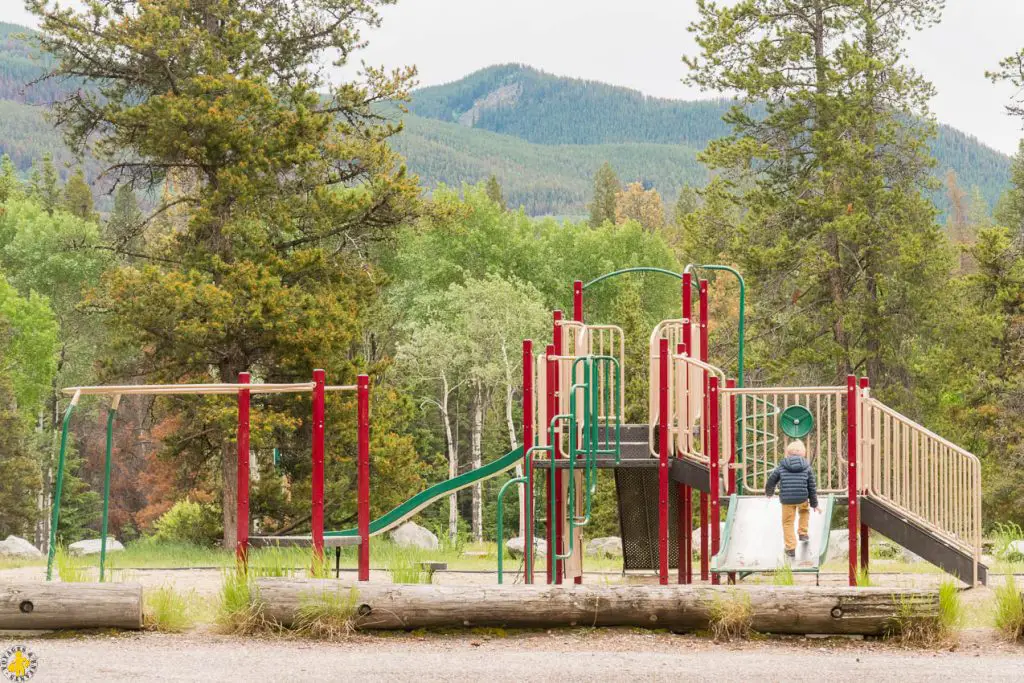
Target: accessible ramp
(426,497)
(752,540)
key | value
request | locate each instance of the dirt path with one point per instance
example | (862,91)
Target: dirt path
(609,655)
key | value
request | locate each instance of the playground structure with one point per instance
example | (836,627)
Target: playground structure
(712,434)
(707,434)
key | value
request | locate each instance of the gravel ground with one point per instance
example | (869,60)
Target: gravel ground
(607,655)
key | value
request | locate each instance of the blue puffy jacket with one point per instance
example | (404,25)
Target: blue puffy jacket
(795,480)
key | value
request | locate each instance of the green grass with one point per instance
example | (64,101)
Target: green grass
(70,568)
(168,611)
(1008,612)
(783,576)
(863,578)
(327,617)
(912,627)
(952,613)
(1003,534)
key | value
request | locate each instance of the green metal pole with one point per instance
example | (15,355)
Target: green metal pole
(739,359)
(106,485)
(501,525)
(58,488)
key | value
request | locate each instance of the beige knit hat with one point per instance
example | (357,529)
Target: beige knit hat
(796,448)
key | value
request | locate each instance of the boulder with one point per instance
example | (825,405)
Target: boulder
(15,546)
(909,557)
(608,546)
(517,545)
(412,535)
(92,546)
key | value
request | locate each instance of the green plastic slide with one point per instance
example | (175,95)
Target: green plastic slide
(394,517)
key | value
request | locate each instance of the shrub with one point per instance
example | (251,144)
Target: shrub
(731,617)
(190,522)
(1009,610)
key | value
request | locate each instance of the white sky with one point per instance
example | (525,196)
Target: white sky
(640,46)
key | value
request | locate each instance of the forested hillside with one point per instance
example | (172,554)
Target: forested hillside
(542,136)
(540,108)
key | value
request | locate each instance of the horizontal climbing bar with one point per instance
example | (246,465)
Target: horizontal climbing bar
(185,389)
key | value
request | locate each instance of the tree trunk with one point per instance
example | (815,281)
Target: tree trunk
(453,459)
(772,609)
(35,605)
(476,453)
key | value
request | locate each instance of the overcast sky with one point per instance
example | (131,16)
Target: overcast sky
(640,44)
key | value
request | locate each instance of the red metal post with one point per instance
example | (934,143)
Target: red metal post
(664,447)
(686,497)
(704,430)
(363,418)
(851,473)
(319,381)
(557,338)
(865,551)
(713,466)
(577,301)
(242,509)
(552,403)
(527,464)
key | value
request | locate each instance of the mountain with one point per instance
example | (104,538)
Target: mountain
(543,136)
(573,116)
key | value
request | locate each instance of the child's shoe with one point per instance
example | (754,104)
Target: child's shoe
(791,554)
(804,538)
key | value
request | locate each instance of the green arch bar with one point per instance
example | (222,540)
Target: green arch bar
(640,269)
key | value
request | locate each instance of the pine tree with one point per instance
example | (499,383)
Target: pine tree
(45,185)
(685,204)
(643,206)
(78,197)
(1010,210)
(606,189)
(21,478)
(124,227)
(829,154)
(8,178)
(493,188)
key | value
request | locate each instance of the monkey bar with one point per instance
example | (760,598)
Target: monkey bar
(243,389)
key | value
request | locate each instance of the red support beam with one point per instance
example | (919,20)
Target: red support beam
(319,381)
(865,551)
(242,481)
(713,467)
(552,403)
(664,446)
(703,496)
(577,301)
(363,475)
(853,511)
(527,464)
(558,337)
(686,492)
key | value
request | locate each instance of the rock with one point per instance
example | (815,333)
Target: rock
(838,545)
(909,557)
(412,535)
(515,547)
(608,546)
(15,546)
(92,546)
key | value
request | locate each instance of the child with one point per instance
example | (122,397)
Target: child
(798,492)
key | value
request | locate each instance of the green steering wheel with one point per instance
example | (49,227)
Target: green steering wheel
(796,422)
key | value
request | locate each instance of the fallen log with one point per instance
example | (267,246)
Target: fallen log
(29,606)
(771,609)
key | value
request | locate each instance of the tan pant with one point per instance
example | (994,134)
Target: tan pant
(789,513)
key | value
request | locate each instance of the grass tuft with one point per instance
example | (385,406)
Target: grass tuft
(70,567)
(731,617)
(1009,610)
(783,576)
(863,578)
(168,611)
(913,627)
(240,613)
(330,616)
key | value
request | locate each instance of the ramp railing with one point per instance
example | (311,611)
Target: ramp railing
(932,481)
